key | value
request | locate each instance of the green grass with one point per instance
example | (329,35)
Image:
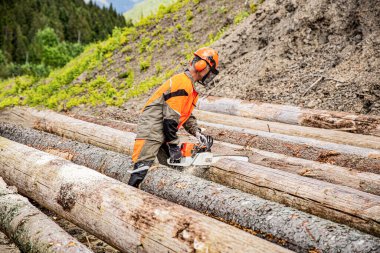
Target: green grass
(63,89)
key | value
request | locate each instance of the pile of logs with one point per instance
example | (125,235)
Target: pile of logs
(303,189)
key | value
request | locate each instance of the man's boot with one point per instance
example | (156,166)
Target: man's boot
(140,169)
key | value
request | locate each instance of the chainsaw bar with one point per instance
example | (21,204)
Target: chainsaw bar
(204,159)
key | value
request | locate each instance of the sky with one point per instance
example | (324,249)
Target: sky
(121,6)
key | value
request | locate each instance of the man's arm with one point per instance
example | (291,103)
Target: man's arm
(191,126)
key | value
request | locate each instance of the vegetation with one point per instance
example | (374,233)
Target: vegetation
(145,8)
(73,85)
(39,35)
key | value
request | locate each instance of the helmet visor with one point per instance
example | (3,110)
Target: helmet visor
(207,79)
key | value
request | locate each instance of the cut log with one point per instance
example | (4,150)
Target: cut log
(110,163)
(338,154)
(363,159)
(302,232)
(48,121)
(338,203)
(342,155)
(115,164)
(301,237)
(363,181)
(292,130)
(29,228)
(125,217)
(362,124)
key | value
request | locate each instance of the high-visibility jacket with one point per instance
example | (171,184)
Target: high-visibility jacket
(169,108)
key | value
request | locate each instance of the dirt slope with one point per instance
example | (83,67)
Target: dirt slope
(277,53)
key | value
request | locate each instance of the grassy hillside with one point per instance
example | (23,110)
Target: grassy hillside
(145,8)
(132,61)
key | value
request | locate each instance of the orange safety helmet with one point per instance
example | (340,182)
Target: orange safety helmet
(210,57)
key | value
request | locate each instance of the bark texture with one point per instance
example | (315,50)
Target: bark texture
(343,121)
(49,121)
(30,229)
(362,159)
(338,203)
(123,216)
(292,130)
(110,163)
(302,232)
(115,165)
(296,242)
(345,156)
(363,181)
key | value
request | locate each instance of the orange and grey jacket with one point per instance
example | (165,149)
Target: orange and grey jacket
(169,108)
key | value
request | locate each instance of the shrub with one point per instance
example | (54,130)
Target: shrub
(145,63)
(240,17)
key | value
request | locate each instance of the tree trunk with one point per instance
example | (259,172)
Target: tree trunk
(29,228)
(301,232)
(363,181)
(342,155)
(115,164)
(338,203)
(362,124)
(48,121)
(123,216)
(338,154)
(297,237)
(363,159)
(104,161)
(286,129)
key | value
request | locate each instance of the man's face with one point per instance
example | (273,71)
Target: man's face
(207,76)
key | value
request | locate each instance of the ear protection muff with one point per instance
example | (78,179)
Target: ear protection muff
(200,65)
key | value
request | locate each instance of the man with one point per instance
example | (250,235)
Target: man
(169,108)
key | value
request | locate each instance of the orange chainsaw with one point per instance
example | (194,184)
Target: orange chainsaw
(200,155)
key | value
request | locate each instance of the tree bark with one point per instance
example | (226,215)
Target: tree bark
(362,124)
(292,130)
(29,228)
(123,216)
(110,163)
(363,159)
(363,181)
(338,203)
(299,237)
(341,155)
(338,154)
(48,121)
(302,232)
(115,164)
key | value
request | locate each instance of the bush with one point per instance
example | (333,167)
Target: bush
(240,17)
(145,63)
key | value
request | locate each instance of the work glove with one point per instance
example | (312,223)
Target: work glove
(206,140)
(174,152)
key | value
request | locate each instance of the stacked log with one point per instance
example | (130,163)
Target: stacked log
(338,203)
(125,217)
(30,229)
(291,130)
(115,164)
(110,163)
(363,159)
(216,205)
(362,124)
(302,232)
(48,121)
(363,181)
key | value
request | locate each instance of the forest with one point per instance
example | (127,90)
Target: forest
(39,35)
